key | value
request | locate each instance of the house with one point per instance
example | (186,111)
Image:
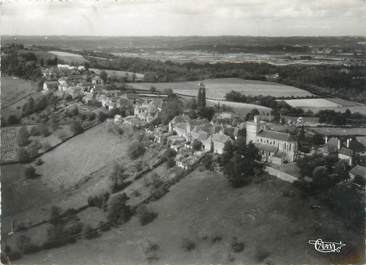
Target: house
(358,173)
(148,110)
(50,86)
(218,142)
(183,126)
(276,147)
(346,154)
(97,81)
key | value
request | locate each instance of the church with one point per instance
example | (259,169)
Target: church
(275,147)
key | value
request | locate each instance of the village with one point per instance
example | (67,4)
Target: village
(103,150)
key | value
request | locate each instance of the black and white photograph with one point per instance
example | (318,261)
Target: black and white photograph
(183,132)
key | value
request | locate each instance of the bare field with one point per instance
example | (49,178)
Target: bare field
(240,108)
(202,208)
(69,57)
(217,88)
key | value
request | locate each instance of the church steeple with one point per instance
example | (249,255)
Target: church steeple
(201,97)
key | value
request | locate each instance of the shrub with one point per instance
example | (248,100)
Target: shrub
(39,162)
(76,127)
(170,162)
(145,215)
(149,249)
(216,239)
(104,226)
(98,200)
(55,215)
(188,245)
(74,228)
(90,232)
(23,136)
(44,131)
(118,211)
(158,193)
(135,150)
(102,116)
(23,155)
(35,131)
(30,172)
(12,120)
(22,242)
(237,246)
(14,255)
(31,248)
(261,254)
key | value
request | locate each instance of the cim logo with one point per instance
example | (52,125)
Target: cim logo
(326,247)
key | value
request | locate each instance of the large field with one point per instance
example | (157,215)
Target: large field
(218,88)
(336,104)
(69,57)
(240,108)
(14,89)
(118,73)
(202,208)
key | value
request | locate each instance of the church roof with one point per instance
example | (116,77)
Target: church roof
(276,135)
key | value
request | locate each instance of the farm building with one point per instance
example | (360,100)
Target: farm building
(218,142)
(275,147)
(346,154)
(148,110)
(50,86)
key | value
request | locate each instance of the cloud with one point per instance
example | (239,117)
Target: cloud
(184,17)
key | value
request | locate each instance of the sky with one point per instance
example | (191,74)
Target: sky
(183,17)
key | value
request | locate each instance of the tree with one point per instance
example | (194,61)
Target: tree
(30,172)
(135,150)
(201,97)
(104,76)
(117,178)
(172,107)
(241,163)
(89,232)
(196,145)
(317,139)
(12,120)
(76,127)
(118,211)
(206,112)
(23,155)
(23,136)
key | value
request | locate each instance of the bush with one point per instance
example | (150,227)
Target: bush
(55,215)
(104,226)
(170,162)
(22,242)
(98,200)
(23,155)
(74,228)
(35,131)
(23,136)
(236,245)
(149,249)
(31,248)
(76,127)
(135,150)
(102,116)
(44,131)
(90,232)
(158,193)
(30,172)
(261,254)
(145,215)
(118,211)
(188,245)
(12,120)
(39,162)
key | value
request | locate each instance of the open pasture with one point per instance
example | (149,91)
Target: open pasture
(240,108)
(218,88)
(205,210)
(14,89)
(336,104)
(80,156)
(69,57)
(118,73)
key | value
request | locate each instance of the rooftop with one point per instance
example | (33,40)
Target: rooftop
(221,138)
(276,135)
(359,171)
